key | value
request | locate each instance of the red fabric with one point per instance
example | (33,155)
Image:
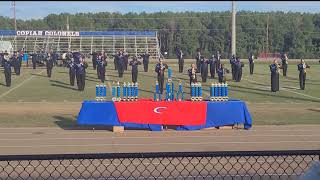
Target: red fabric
(163,112)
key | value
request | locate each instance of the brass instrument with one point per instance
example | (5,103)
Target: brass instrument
(193,73)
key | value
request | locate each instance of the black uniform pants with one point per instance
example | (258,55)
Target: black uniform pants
(284,69)
(126,64)
(204,75)
(72,76)
(34,64)
(274,82)
(102,74)
(94,64)
(212,71)
(302,80)
(120,69)
(81,79)
(134,76)
(145,66)
(161,82)
(49,71)
(236,74)
(251,67)
(181,63)
(221,79)
(115,65)
(17,70)
(198,64)
(7,75)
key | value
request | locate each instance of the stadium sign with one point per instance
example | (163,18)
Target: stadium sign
(48,33)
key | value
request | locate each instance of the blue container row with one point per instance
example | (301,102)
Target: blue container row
(219,90)
(196,90)
(128,90)
(101,91)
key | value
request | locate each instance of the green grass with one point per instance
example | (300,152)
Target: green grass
(288,106)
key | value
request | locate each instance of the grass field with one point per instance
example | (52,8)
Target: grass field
(35,100)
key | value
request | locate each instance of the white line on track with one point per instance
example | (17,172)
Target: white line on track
(19,85)
(153,144)
(159,137)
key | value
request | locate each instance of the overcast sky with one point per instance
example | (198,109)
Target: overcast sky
(40,9)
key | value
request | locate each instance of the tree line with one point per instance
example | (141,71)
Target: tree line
(298,34)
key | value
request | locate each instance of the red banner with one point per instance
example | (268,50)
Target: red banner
(167,113)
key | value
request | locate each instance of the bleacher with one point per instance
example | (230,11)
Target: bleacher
(133,42)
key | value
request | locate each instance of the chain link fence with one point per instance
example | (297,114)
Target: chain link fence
(170,165)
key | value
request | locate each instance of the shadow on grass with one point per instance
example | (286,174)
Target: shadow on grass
(68,123)
(3,84)
(65,87)
(314,110)
(59,82)
(40,75)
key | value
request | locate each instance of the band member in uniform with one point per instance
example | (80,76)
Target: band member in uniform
(238,70)
(251,63)
(193,74)
(7,63)
(160,68)
(134,70)
(302,68)
(181,61)
(81,74)
(34,57)
(233,62)
(212,63)
(284,64)
(49,64)
(126,60)
(218,58)
(76,56)
(94,55)
(101,67)
(204,69)
(222,73)
(275,70)
(198,58)
(16,63)
(121,64)
(115,60)
(72,71)
(145,61)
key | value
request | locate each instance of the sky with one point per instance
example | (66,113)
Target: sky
(39,9)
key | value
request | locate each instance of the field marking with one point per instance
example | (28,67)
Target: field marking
(152,144)
(158,137)
(19,85)
(285,89)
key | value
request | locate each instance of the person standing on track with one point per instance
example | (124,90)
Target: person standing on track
(284,64)
(251,63)
(181,61)
(81,74)
(101,67)
(6,63)
(49,64)
(204,68)
(198,59)
(192,72)
(275,71)
(134,70)
(212,63)
(72,71)
(160,69)
(302,68)
(94,55)
(145,61)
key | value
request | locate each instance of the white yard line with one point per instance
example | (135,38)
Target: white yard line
(19,85)
(312,97)
(153,144)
